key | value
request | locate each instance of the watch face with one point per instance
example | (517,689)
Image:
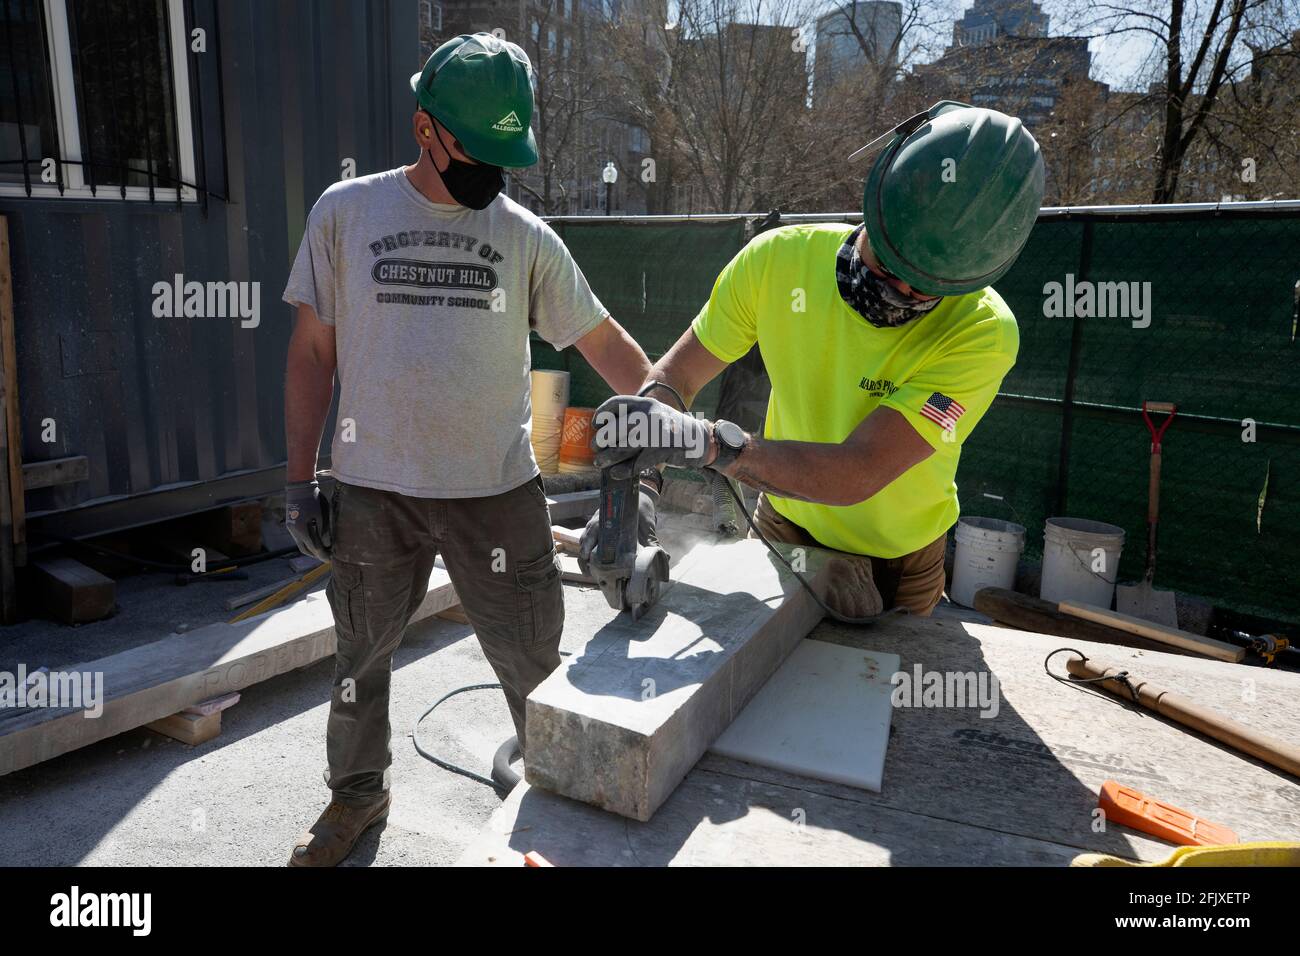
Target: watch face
(731,435)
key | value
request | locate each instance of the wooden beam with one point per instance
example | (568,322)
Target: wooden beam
(620,723)
(71,592)
(1172,636)
(56,471)
(155,680)
(234,529)
(192,729)
(1036,616)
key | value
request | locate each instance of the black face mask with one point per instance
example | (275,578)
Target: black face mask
(471,184)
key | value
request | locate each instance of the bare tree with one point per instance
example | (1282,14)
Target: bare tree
(1201,49)
(572,90)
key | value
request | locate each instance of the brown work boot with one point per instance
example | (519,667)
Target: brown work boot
(850,589)
(334,835)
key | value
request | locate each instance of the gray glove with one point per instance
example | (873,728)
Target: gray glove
(647,509)
(631,426)
(307,517)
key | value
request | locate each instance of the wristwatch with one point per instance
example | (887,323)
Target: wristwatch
(731,442)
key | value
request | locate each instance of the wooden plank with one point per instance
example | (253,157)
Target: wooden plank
(71,592)
(234,529)
(152,681)
(619,724)
(1036,616)
(192,729)
(566,539)
(1156,632)
(56,471)
(9,395)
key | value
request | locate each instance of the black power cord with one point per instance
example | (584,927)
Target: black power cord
(503,786)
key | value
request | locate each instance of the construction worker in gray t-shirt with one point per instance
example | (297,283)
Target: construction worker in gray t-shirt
(419,286)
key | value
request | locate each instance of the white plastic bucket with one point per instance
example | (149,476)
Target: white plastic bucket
(550,397)
(988,550)
(1080,560)
(550,393)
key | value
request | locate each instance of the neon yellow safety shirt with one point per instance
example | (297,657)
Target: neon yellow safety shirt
(830,368)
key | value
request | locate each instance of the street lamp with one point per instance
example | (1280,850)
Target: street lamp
(610,175)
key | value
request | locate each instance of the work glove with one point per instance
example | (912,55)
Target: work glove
(652,433)
(647,510)
(307,517)
(850,587)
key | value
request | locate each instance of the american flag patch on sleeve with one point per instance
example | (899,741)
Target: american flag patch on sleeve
(943,411)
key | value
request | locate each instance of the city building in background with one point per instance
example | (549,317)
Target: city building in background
(990,20)
(855,37)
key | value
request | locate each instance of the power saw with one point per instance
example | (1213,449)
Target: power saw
(629,576)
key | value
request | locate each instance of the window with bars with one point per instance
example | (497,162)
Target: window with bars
(94,100)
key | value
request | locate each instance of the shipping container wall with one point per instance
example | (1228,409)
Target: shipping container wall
(175,411)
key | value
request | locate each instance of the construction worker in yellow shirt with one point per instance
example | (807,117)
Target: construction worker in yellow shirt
(885,345)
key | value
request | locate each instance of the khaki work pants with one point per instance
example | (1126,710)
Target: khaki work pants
(914,581)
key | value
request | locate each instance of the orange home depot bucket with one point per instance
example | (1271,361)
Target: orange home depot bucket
(575,442)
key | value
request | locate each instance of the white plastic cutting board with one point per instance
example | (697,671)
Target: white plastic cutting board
(825,714)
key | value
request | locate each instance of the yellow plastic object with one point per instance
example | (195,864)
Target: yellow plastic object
(1265,853)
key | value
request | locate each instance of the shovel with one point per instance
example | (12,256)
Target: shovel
(1142,600)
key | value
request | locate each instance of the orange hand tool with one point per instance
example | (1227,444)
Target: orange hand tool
(1135,809)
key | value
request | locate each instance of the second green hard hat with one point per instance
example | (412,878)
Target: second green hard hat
(480,87)
(951,199)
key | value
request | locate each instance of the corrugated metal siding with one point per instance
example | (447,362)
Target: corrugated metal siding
(158,402)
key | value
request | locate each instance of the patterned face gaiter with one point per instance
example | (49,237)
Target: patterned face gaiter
(870,295)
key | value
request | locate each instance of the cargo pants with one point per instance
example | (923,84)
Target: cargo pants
(501,558)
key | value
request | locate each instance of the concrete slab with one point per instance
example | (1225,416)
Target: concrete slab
(620,724)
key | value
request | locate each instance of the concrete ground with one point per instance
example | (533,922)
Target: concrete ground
(141,799)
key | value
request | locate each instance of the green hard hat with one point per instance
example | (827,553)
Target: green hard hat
(480,87)
(950,200)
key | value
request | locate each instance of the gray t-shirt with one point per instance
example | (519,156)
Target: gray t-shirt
(432,305)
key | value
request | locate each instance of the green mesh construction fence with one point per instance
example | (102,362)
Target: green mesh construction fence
(1207,313)
(653,277)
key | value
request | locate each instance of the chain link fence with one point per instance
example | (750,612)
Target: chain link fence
(1197,306)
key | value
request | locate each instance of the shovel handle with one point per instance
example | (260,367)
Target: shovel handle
(1153,489)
